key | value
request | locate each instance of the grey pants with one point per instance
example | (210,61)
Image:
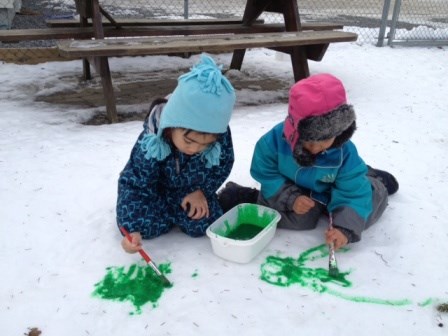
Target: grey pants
(291,220)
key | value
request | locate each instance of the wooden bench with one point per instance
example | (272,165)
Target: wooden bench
(313,43)
(186,28)
(205,43)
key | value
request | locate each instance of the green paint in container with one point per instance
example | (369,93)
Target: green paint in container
(242,232)
(250,221)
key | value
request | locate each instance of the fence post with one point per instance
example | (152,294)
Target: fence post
(185,9)
(383,25)
(393,25)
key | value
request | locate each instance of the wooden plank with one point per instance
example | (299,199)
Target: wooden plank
(14,35)
(67,23)
(314,52)
(321,26)
(193,30)
(216,43)
(64,23)
(88,32)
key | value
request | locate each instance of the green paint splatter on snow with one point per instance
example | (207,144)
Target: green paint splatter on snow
(195,274)
(139,284)
(288,271)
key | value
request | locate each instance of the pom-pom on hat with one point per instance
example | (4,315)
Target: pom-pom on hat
(317,110)
(203,101)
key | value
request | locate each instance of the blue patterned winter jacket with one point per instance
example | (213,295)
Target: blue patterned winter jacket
(149,186)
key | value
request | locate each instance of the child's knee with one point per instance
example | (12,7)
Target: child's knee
(307,221)
(154,230)
(297,222)
(195,228)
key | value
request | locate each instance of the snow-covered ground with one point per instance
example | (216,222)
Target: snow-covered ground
(62,263)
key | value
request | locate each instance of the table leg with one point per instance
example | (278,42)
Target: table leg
(237,59)
(254,8)
(102,64)
(299,59)
(110,18)
(290,11)
(252,11)
(299,63)
(86,74)
(108,89)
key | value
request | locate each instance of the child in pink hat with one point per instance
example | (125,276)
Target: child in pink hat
(308,166)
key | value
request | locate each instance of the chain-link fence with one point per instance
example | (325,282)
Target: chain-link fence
(411,21)
(416,22)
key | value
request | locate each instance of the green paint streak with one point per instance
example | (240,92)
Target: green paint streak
(139,285)
(426,302)
(195,274)
(250,220)
(362,299)
(288,271)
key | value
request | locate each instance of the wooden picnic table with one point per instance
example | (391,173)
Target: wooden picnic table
(91,9)
(91,14)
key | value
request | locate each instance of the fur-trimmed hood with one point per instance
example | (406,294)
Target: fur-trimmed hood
(317,110)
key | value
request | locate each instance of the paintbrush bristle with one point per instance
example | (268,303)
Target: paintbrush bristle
(165,280)
(332,264)
(333,271)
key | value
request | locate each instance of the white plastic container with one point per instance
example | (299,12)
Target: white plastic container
(249,244)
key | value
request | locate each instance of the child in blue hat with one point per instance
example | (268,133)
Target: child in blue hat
(180,159)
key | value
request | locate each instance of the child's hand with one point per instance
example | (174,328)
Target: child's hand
(303,204)
(135,245)
(196,204)
(336,237)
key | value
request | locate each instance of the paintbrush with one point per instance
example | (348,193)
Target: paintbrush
(333,270)
(147,259)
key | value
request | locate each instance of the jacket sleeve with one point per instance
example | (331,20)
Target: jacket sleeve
(351,195)
(276,189)
(218,174)
(284,199)
(136,188)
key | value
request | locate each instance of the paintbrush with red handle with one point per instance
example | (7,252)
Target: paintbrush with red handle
(147,258)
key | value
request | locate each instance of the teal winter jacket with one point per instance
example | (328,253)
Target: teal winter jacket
(337,179)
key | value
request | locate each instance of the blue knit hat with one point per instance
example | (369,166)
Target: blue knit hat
(202,101)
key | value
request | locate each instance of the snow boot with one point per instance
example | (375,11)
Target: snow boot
(389,181)
(233,194)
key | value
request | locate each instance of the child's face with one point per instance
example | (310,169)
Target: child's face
(316,147)
(191,142)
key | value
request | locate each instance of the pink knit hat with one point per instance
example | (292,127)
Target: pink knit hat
(321,101)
